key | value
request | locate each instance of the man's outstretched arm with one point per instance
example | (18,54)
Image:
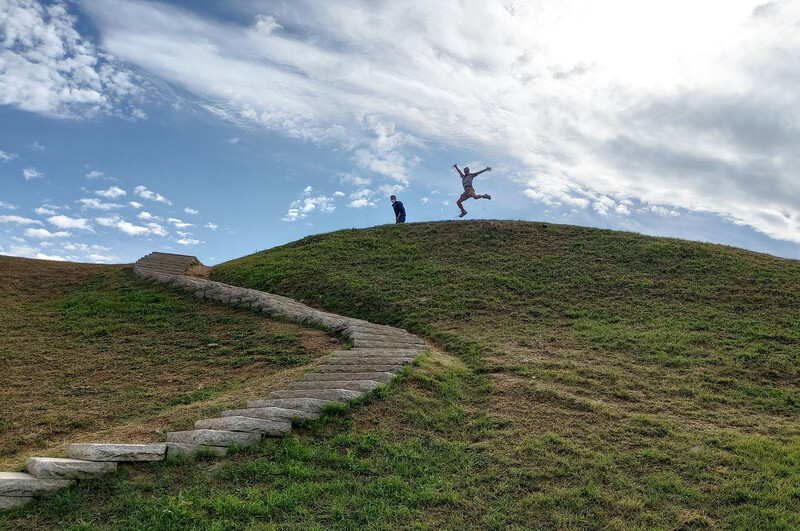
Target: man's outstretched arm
(487,168)
(458,170)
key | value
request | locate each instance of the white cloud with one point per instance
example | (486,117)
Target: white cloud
(144,193)
(5,157)
(9,206)
(188,241)
(49,69)
(42,234)
(126,227)
(36,146)
(362,198)
(134,204)
(190,210)
(212,226)
(91,202)
(112,193)
(179,224)
(31,173)
(94,174)
(337,193)
(359,203)
(307,204)
(144,215)
(425,200)
(234,140)
(19,220)
(65,222)
(706,121)
(45,211)
(101,258)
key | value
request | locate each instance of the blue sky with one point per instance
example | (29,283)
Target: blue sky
(222,128)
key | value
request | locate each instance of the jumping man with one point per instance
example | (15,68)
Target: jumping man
(469,191)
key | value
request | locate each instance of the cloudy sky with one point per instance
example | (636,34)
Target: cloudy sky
(219,128)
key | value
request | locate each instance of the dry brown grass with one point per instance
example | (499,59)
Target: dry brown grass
(69,377)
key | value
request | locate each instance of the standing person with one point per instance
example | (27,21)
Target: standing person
(399,210)
(469,191)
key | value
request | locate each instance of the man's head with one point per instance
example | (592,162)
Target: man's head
(466,170)
(393,198)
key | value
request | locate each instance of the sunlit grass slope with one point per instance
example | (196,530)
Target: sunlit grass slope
(634,379)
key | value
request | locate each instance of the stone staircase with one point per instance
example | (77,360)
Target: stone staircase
(379,353)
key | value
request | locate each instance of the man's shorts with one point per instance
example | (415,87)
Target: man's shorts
(468,192)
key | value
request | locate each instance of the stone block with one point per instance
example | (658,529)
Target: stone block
(213,437)
(368,360)
(176,449)
(361,367)
(310,405)
(382,377)
(22,484)
(117,452)
(8,502)
(66,468)
(354,385)
(270,413)
(336,395)
(245,424)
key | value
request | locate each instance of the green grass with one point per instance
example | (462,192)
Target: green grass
(599,380)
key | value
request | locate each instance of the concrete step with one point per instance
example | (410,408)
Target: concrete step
(361,367)
(118,452)
(353,385)
(309,405)
(8,502)
(213,437)
(66,468)
(371,343)
(20,484)
(382,377)
(336,395)
(270,413)
(379,352)
(368,360)
(175,449)
(245,424)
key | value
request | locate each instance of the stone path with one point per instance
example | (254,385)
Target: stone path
(379,353)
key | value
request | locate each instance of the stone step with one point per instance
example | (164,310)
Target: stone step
(9,502)
(353,385)
(66,468)
(245,424)
(336,395)
(309,405)
(175,449)
(118,452)
(361,367)
(382,377)
(378,352)
(213,437)
(368,360)
(387,336)
(270,413)
(16,484)
(369,343)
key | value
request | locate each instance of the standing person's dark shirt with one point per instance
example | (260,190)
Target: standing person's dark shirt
(399,211)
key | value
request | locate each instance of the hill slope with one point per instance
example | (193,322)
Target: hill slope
(88,348)
(600,380)
(636,379)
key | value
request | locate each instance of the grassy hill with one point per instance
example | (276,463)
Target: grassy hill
(585,379)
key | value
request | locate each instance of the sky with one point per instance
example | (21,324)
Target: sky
(221,128)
